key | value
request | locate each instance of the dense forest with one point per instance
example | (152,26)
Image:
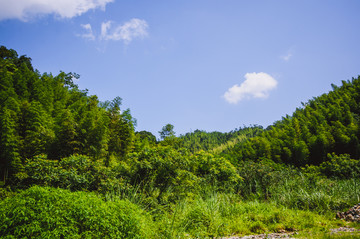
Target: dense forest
(43,114)
(72,166)
(325,124)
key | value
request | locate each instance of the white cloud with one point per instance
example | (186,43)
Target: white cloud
(27,9)
(286,57)
(256,85)
(105,26)
(89,35)
(135,28)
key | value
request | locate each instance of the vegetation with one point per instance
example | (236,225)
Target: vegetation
(74,167)
(43,212)
(217,142)
(325,124)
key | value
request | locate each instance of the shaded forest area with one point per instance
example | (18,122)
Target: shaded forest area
(72,166)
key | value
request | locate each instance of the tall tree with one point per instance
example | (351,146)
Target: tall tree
(121,129)
(10,162)
(167,131)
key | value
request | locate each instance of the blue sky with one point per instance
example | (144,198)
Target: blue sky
(200,64)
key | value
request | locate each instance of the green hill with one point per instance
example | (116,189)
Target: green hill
(46,114)
(217,141)
(326,124)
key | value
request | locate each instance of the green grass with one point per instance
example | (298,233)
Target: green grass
(322,196)
(296,203)
(219,214)
(49,212)
(270,199)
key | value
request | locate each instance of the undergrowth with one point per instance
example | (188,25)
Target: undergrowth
(268,198)
(220,214)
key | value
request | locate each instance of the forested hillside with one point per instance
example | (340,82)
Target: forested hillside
(72,166)
(217,141)
(54,134)
(46,114)
(326,124)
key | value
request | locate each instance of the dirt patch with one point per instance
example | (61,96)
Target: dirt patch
(265,236)
(291,235)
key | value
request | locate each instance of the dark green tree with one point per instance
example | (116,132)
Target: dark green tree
(121,129)
(10,162)
(167,131)
(36,129)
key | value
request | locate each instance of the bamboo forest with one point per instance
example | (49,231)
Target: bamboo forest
(73,166)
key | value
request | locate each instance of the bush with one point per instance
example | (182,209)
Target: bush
(216,170)
(341,166)
(260,177)
(76,172)
(168,175)
(43,212)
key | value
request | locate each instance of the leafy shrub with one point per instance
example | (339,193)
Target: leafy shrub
(340,166)
(6,192)
(42,212)
(260,177)
(159,170)
(76,172)
(40,171)
(168,174)
(216,170)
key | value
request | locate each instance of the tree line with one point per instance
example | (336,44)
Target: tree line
(324,125)
(46,114)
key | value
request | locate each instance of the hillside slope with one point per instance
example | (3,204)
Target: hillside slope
(46,114)
(326,124)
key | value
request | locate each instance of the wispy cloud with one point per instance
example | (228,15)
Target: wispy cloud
(105,26)
(288,55)
(135,28)
(28,9)
(89,33)
(256,85)
(130,30)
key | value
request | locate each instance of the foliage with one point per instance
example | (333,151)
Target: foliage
(167,131)
(298,189)
(341,166)
(259,177)
(74,167)
(163,173)
(326,124)
(42,212)
(146,135)
(46,114)
(212,215)
(217,142)
(167,174)
(77,172)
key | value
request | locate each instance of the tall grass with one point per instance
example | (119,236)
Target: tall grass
(297,189)
(220,214)
(270,199)
(324,195)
